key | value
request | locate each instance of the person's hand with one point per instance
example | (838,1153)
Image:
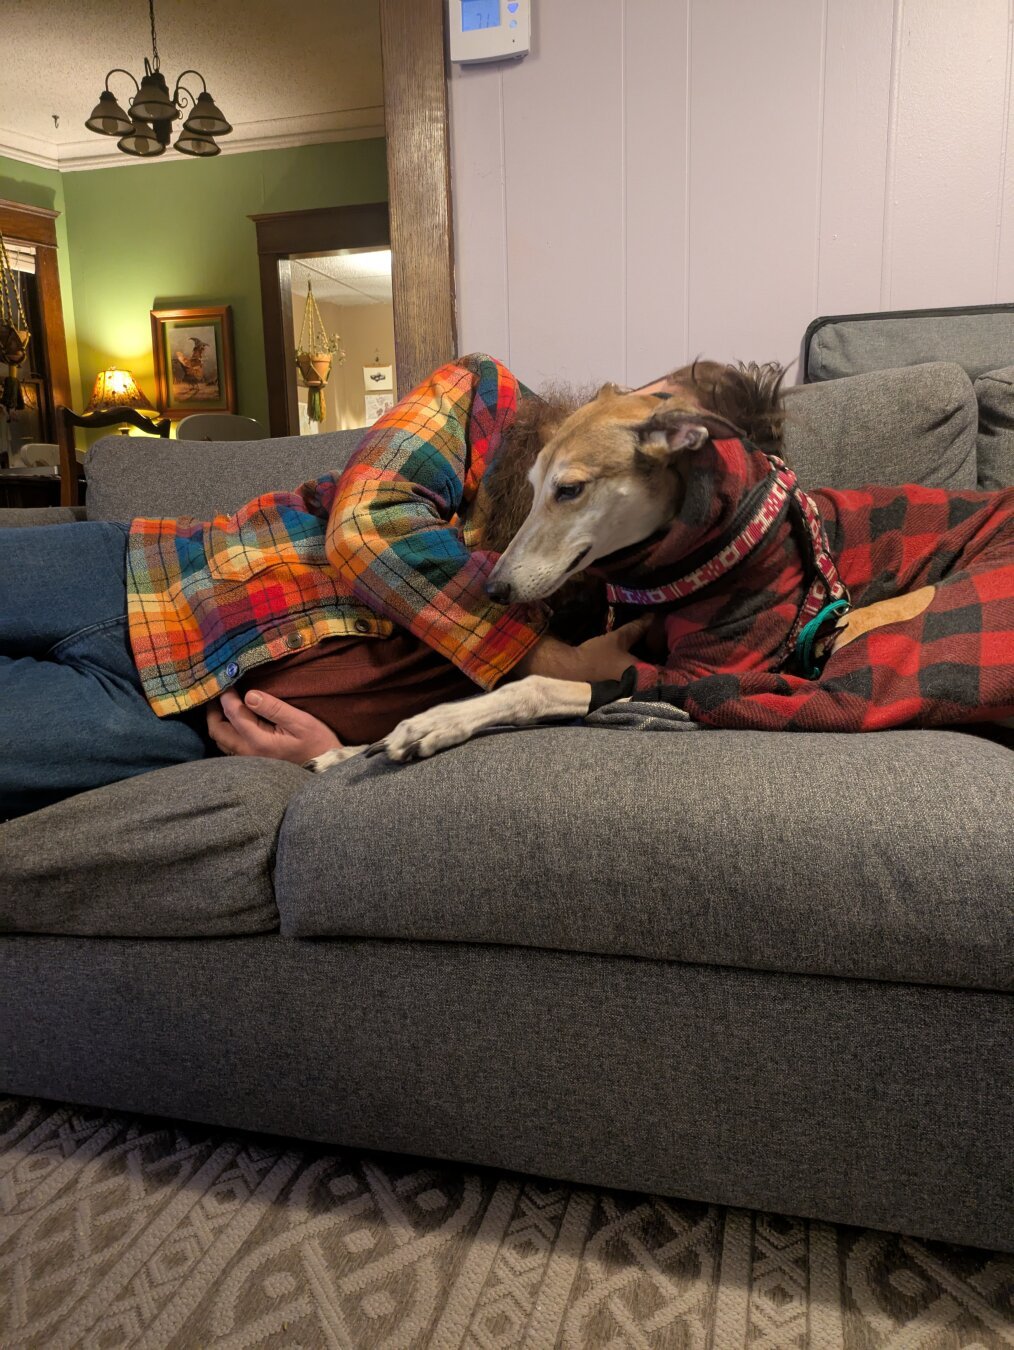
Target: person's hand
(600,658)
(261,724)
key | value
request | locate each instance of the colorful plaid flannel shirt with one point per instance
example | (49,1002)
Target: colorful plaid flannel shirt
(389,541)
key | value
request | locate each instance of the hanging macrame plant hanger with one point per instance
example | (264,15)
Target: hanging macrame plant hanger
(315,355)
(14,333)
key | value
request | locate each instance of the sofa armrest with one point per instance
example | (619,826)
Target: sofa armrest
(13,518)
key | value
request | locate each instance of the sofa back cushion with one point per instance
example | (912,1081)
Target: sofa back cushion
(914,425)
(995,393)
(146,476)
(978,339)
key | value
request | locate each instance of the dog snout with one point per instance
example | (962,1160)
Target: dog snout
(498,591)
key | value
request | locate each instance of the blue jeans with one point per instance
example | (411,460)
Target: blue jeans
(73,714)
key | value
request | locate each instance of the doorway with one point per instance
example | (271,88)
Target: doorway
(283,240)
(347,294)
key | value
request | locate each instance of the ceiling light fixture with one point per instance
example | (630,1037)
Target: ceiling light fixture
(147,129)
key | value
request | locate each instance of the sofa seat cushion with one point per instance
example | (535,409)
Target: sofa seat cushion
(186,851)
(883,856)
(917,424)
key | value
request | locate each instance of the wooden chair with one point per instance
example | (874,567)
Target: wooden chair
(219,427)
(71,475)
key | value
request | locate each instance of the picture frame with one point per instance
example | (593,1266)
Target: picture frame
(194,362)
(378,379)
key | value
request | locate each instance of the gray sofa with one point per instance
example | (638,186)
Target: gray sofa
(766,970)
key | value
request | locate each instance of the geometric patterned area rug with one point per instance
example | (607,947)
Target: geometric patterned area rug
(132,1231)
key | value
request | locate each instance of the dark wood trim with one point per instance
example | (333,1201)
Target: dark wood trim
(36,227)
(28,224)
(286,232)
(280,236)
(67,419)
(419,185)
(53,336)
(276,303)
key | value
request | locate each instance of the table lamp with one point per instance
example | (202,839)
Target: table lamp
(115,389)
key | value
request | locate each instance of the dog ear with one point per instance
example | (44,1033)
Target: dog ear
(669,431)
(609,390)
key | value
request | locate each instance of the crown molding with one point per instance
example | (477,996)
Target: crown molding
(352,124)
(28,149)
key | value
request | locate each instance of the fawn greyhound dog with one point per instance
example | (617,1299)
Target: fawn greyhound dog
(681,504)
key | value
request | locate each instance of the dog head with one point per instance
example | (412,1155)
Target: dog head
(611,475)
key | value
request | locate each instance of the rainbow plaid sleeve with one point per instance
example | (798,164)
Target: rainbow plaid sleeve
(394,532)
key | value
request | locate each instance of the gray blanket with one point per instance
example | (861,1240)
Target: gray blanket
(632,714)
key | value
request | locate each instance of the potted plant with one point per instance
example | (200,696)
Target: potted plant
(316,354)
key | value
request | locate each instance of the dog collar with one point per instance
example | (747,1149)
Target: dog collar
(782,490)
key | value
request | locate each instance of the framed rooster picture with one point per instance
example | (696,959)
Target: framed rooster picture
(194,368)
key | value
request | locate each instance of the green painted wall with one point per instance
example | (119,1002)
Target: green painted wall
(176,233)
(32,186)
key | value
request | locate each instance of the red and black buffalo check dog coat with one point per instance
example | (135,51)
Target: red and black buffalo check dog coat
(731,657)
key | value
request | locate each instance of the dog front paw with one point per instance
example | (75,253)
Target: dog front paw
(321,763)
(424,735)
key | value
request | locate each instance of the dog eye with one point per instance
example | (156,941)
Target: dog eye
(566,492)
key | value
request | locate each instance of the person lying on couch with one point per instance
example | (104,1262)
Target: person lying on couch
(360,594)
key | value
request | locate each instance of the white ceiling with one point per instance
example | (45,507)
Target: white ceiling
(291,73)
(356,277)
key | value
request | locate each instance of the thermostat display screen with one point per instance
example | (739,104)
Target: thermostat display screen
(479,14)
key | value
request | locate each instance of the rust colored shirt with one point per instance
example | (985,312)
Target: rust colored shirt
(363,687)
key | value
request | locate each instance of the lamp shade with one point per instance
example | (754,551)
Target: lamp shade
(189,143)
(108,118)
(115,388)
(152,102)
(206,118)
(141,140)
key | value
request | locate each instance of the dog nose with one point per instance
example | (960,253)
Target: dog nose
(499,591)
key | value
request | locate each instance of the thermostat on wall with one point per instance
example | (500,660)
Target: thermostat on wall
(489,30)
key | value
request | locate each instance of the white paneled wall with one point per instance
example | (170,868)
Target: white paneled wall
(660,179)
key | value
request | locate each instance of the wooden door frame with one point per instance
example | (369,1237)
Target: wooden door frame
(413,47)
(280,235)
(417,217)
(35,226)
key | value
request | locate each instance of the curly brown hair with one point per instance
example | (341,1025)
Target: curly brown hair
(747,394)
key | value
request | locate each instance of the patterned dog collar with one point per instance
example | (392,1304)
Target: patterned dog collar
(783,488)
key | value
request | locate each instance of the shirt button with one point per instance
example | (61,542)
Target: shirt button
(362,626)
(293,641)
(232,670)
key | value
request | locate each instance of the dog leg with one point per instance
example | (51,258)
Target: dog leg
(522,703)
(321,763)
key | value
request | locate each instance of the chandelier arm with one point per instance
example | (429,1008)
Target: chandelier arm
(199,76)
(182,96)
(118,70)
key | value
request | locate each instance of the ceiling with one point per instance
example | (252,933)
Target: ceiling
(356,277)
(283,74)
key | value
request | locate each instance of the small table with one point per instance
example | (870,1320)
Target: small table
(29,487)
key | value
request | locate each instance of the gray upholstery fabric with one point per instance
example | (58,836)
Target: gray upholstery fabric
(17,517)
(878,856)
(913,425)
(147,476)
(863,1103)
(977,342)
(995,392)
(183,852)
